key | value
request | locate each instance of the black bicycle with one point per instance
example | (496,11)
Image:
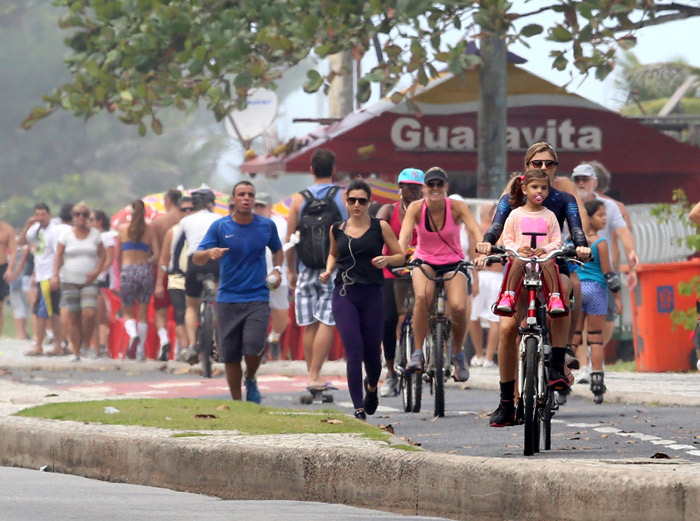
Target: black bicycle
(410,383)
(206,338)
(537,402)
(436,350)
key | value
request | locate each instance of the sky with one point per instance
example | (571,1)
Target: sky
(654,44)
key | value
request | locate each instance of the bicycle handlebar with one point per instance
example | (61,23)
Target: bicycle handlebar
(500,252)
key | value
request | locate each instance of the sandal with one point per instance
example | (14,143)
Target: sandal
(34,352)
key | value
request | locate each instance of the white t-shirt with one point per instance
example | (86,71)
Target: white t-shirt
(80,255)
(614,221)
(281,224)
(44,241)
(195,227)
(108,239)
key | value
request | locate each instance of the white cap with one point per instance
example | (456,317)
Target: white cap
(584,170)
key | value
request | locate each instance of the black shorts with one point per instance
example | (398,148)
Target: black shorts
(242,328)
(441,269)
(195,275)
(563,267)
(4,286)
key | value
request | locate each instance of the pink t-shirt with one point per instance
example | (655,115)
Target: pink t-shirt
(520,220)
(443,247)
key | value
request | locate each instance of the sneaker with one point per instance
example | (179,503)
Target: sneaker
(371,401)
(476,361)
(164,352)
(461,367)
(133,345)
(391,385)
(103,352)
(416,362)
(558,379)
(583,376)
(555,306)
(74,358)
(504,416)
(192,355)
(489,364)
(570,359)
(252,394)
(182,355)
(360,415)
(506,303)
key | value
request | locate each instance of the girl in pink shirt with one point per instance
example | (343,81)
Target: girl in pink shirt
(529,215)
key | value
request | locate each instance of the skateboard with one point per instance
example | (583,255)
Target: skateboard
(318,395)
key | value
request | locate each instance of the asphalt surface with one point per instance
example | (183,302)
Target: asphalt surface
(63,497)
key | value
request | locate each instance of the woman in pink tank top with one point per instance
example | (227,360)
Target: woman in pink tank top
(437,220)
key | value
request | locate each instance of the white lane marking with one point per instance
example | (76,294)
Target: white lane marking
(167,385)
(381,408)
(655,440)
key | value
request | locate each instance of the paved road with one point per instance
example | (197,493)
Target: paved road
(29,495)
(581,430)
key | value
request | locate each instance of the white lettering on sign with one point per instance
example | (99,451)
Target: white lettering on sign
(409,133)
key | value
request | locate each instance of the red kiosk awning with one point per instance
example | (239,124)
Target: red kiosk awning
(384,138)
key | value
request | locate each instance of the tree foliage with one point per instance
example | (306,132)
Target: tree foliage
(136,57)
(42,162)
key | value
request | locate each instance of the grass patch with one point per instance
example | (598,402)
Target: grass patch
(189,415)
(622,367)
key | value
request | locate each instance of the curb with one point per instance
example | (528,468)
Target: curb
(422,483)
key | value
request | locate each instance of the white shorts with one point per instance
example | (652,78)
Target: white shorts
(489,289)
(279,298)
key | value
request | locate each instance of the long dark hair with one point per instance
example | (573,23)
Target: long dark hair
(101,218)
(516,188)
(137,226)
(359,184)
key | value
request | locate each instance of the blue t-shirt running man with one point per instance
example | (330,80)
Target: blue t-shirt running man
(243,269)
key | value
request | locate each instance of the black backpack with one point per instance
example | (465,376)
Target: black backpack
(315,221)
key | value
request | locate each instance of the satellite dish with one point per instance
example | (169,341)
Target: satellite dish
(252,121)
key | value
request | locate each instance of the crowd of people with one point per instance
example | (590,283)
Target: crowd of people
(337,274)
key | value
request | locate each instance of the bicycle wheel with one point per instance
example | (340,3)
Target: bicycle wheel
(402,357)
(438,356)
(205,337)
(547,414)
(528,394)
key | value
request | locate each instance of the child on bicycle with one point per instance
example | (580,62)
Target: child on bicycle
(527,193)
(596,276)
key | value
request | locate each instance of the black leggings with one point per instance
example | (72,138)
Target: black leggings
(391,319)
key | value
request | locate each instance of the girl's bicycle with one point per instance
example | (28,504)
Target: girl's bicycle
(437,368)
(537,402)
(410,383)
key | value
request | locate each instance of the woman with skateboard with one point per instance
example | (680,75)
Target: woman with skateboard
(358,302)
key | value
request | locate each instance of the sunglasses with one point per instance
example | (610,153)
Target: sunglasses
(81,214)
(354,200)
(186,208)
(435,184)
(547,163)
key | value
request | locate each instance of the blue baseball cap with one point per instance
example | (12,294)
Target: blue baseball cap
(411,175)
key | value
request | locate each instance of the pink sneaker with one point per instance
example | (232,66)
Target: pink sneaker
(555,306)
(506,303)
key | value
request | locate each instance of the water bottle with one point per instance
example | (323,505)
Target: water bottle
(272,279)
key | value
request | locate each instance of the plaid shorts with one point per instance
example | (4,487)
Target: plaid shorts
(312,298)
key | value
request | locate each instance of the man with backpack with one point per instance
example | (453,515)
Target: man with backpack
(311,214)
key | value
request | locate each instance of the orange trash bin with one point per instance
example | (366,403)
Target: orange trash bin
(659,345)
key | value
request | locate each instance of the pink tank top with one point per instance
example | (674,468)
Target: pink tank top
(443,247)
(395,224)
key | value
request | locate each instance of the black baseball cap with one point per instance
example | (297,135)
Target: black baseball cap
(435,173)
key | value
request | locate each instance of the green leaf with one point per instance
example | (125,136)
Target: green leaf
(443,57)
(531,30)
(560,34)
(142,129)
(314,81)
(156,125)
(126,95)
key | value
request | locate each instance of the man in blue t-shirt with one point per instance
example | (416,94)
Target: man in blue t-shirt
(242,302)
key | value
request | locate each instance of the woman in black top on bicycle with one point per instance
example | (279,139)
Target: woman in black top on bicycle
(358,302)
